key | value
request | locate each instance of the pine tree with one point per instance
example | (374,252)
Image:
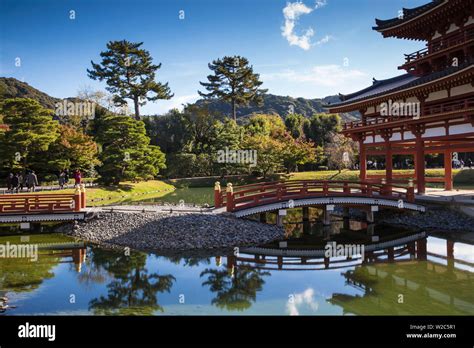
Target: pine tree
(31,130)
(130,74)
(233,82)
(126,153)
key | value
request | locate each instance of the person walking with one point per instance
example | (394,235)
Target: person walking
(9,182)
(21,181)
(77,178)
(66,177)
(61,180)
(15,183)
(31,181)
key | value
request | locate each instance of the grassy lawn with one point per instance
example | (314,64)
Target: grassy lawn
(125,192)
(463,179)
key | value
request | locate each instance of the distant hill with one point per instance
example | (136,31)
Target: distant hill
(13,88)
(275,104)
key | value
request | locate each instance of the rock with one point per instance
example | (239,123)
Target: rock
(177,231)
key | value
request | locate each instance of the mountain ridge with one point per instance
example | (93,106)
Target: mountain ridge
(272,104)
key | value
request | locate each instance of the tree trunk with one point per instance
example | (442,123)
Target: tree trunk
(137,108)
(234,110)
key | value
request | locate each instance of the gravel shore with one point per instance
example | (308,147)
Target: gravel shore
(159,231)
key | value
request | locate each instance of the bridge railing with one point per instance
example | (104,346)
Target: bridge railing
(247,196)
(43,203)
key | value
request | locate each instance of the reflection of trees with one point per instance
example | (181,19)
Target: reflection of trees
(92,273)
(188,261)
(237,292)
(22,275)
(133,290)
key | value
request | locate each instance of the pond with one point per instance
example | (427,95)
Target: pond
(413,273)
(187,195)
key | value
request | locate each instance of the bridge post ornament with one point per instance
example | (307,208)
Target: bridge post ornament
(217,186)
(77,201)
(229,188)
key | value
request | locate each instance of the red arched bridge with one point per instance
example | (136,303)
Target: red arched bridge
(37,207)
(265,197)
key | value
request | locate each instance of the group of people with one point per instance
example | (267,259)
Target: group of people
(461,164)
(17,182)
(63,178)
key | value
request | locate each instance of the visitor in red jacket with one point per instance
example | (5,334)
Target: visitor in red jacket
(77,177)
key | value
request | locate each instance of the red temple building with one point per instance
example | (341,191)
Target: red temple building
(430,108)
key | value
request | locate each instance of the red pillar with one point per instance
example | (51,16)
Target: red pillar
(362,160)
(448,170)
(420,164)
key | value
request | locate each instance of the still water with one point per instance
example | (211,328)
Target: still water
(403,272)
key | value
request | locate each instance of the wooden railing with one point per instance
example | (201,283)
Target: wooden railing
(439,108)
(442,44)
(248,196)
(431,109)
(43,203)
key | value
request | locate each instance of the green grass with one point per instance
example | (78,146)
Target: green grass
(190,195)
(463,179)
(125,192)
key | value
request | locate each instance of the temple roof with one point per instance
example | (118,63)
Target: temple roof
(408,14)
(394,84)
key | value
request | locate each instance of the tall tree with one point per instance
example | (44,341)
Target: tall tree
(73,149)
(126,153)
(130,74)
(295,124)
(234,82)
(31,130)
(320,128)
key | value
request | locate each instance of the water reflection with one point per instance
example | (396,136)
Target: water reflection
(235,289)
(133,289)
(434,275)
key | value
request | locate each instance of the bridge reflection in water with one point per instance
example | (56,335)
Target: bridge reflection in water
(429,274)
(395,272)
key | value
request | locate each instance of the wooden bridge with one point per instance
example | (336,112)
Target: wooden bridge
(275,196)
(34,207)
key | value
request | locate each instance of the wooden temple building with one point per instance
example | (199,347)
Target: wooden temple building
(430,108)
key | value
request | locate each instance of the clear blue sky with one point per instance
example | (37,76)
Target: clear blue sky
(55,51)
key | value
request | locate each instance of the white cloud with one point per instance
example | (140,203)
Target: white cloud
(324,40)
(291,13)
(297,300)
(320,3)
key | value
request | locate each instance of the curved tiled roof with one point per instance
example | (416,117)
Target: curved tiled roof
(394,84)
(408,13)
